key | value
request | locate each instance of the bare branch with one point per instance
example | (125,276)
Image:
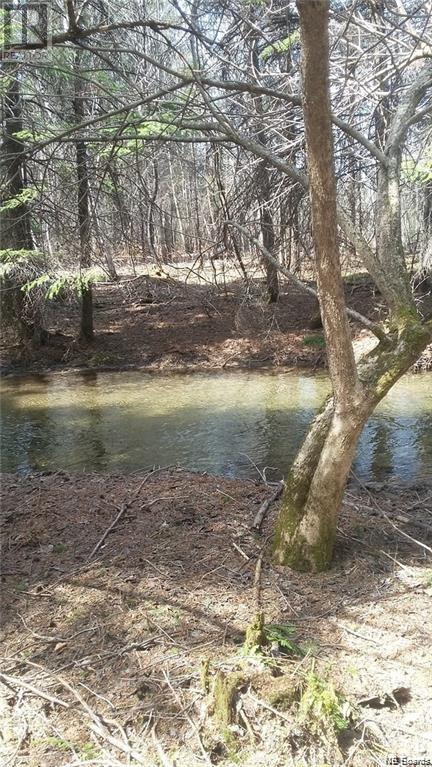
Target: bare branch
(367,323)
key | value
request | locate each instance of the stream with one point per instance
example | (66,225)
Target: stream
(223,423)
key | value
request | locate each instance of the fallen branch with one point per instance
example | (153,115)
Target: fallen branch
(124,508)
(240,551)
(263,509)
(121,513)
(162,756)
(99,725)
(9,681)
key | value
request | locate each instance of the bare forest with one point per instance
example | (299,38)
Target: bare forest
(216,397)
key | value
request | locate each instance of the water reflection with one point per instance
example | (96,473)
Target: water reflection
(221,423)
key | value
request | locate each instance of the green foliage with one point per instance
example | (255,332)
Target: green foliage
(317,341)
(283,633)
(69,283)
(30,135)
(418,171)
(22,198)
(59,548)
(427,579)
(280,46)
(32,284)
(60,744)
(321,707)
(154,128)
(261,637)
(10,256)
(14,29)
(87,750)
(18,266)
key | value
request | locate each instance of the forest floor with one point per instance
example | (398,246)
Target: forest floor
(163,323)
(104,651)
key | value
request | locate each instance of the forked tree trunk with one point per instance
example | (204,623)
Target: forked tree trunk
(306,527)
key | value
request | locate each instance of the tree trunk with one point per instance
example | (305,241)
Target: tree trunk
(306,527)
(151,210)
(426,258)
(15,222)
(223,213)
(264,191)
(83,203)
(15,230)
(268,238)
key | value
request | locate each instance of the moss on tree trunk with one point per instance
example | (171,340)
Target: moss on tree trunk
(306,526)
(225,692)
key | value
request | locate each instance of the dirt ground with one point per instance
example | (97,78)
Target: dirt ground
(156,321)
(160,323)
(103,650)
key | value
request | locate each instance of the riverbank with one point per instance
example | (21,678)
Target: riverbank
(104,638)
(162,324)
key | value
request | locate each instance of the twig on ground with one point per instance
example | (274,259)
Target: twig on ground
(240,551)
(418,502)
(124,507)
(390,521)
(140,645)
(55,639)
(255,467)
(162,756)
(11,761)
(10,681)
(188,717)
(243,717)
(359,636)
(257,582)
(274,711)
(263,509)
(100,725)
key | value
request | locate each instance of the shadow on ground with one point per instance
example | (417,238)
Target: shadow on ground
(126,629)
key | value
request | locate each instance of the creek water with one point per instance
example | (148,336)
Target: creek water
(222,423)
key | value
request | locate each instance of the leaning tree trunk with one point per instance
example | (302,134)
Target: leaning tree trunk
(306,530)
(306,527)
